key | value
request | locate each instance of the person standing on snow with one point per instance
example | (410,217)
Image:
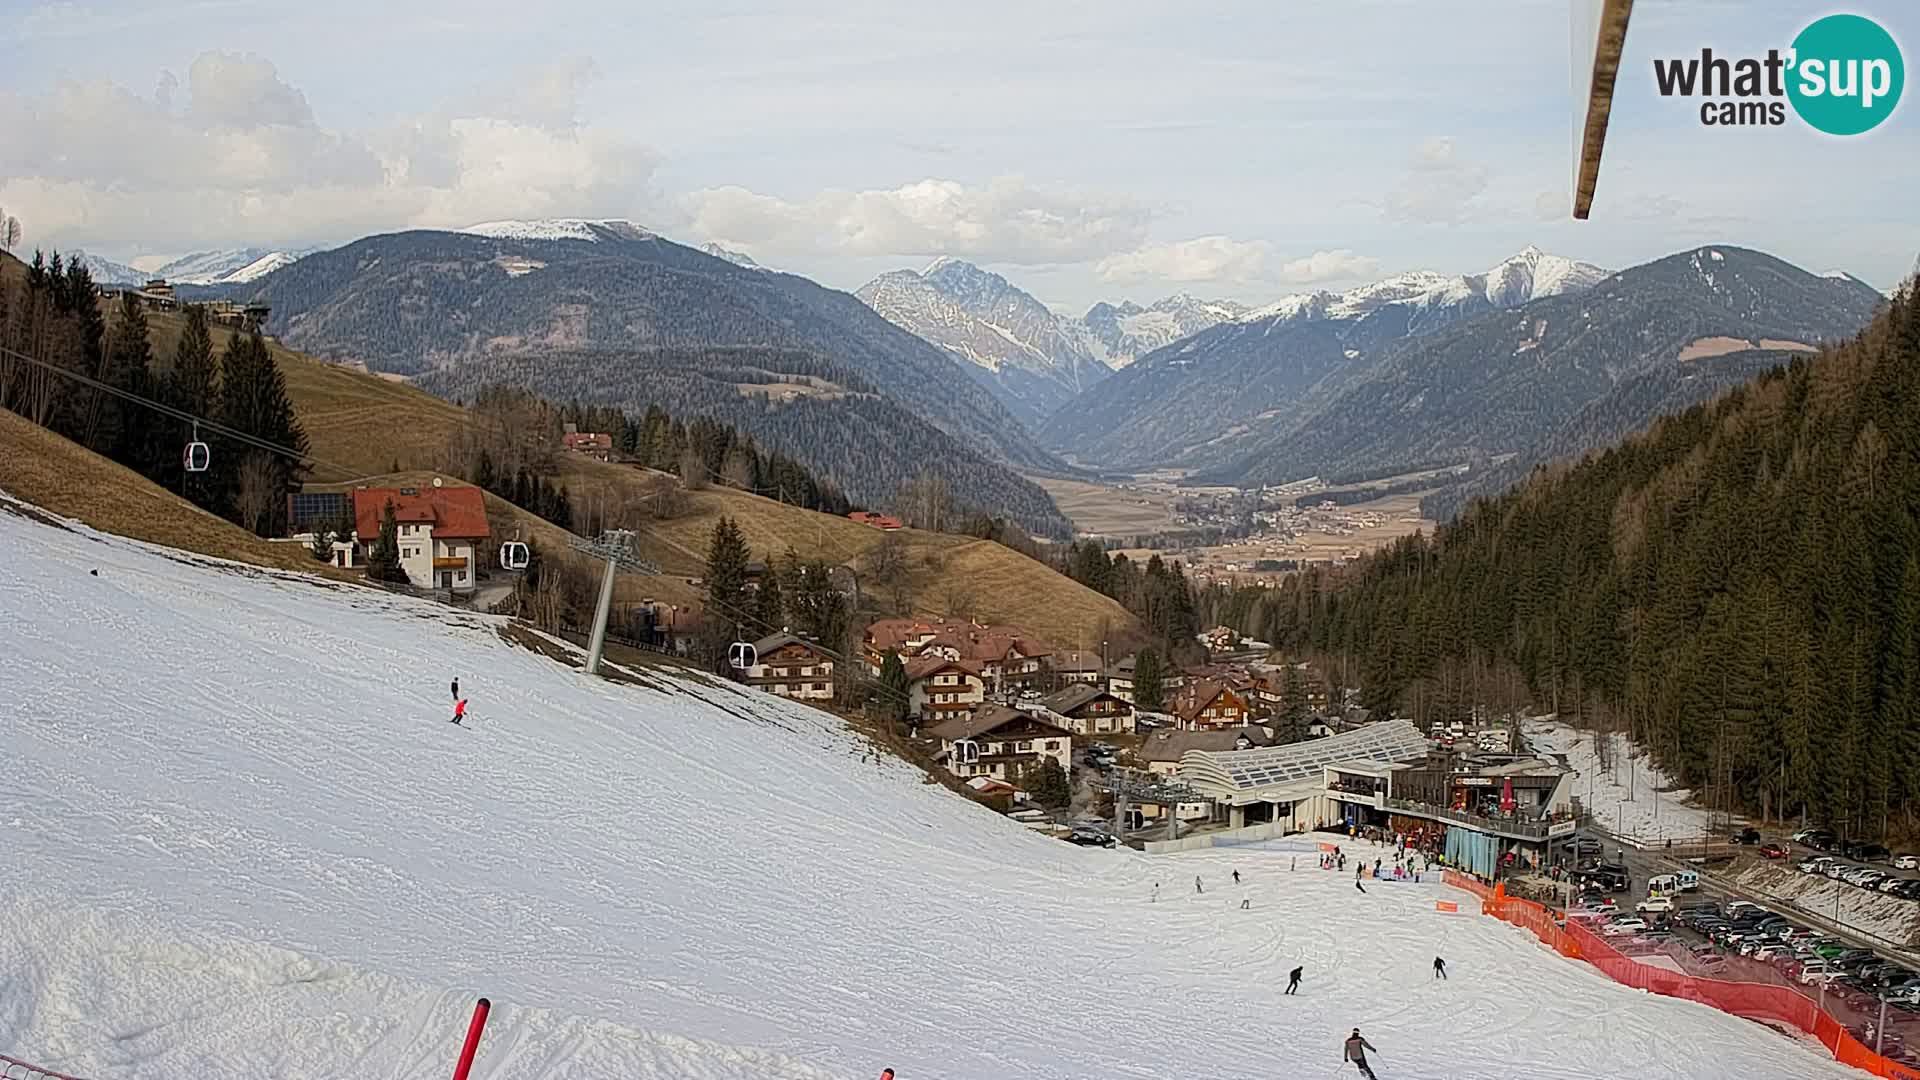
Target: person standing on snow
(1198,891)
(1356,1052)
(456,688)
(459,710)
(1293,979)
(1236,877)
(1439,968)
(1156,893)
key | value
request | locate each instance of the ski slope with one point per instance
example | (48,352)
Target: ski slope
(1629,796)
(238,839)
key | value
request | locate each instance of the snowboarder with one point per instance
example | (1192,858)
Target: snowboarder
(1293,979)
(1236,877)
(456,688)
(1198,891)
(1439,968)
(459,710)
(1356,1052)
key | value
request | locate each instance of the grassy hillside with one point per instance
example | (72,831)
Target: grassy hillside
(66,478)
(365,424)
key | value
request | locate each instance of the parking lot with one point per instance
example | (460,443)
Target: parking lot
(1720,933)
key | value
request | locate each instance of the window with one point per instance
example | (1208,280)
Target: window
(1025,746)
(1053,744)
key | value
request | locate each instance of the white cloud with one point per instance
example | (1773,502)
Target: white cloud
(1440,186)
(245,160)
(1225,261)
(1007,221)
(1336,265)
(1204,258)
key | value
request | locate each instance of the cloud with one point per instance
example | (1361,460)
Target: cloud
(244,159)
(1224,260)
(1336,265)
(1007,221)
(1440,187)
(1204,258)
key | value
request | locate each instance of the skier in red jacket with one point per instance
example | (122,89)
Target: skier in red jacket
(459,709)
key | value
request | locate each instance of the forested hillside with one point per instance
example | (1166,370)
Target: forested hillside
(418,301)
(1507,381)
(823,415)
(1739,587)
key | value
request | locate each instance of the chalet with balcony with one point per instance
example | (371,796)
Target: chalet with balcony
(1209,705)
(792,667)
(1001,743)
(1088,710)
(439,529)
(939,689)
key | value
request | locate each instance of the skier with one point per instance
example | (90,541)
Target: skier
(1293,979)
(1356,1052)
(1439,968)
(1196,886)
(459,709)
(1294,865)
(456,688)
(1376,868)
(1156,893)
(1358,873)
(886,1074)
(1236,877)
(1246,903)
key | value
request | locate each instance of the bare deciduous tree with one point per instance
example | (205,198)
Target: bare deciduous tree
(257,487)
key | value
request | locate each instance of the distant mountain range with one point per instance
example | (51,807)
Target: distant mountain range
(1200,400)
(234,266)
(1034,359)
(1560,374)
(548,303)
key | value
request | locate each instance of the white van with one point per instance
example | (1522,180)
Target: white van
(1668,884)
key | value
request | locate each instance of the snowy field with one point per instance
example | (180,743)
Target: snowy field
(241,841)
(1622,798)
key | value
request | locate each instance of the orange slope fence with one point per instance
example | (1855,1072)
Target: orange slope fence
(1769,1003)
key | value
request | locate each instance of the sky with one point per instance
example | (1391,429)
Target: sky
(1088,151)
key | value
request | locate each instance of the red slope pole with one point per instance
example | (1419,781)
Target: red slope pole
(473,1039)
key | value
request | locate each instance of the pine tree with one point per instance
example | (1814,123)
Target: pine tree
(1148,690)
(254,401)
(1046,783)
(726,577)
(894,690)
(769,606)
(116,428)
(191,385)
(383,560)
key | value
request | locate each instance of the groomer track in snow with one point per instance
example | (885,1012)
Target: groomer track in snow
(241,840)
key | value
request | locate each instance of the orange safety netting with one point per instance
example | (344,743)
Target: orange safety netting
(1773,1002)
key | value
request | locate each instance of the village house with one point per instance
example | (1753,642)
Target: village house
(939,688)
(1001,743)
(1209,704)
(878,521)
(1088,710)
(439,529)
(1006,657)
(594,444)
(792,667)
(1078,666)
(1120,679)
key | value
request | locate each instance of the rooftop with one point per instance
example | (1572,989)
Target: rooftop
(1244,770)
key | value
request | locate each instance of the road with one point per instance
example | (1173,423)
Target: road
(1715,887)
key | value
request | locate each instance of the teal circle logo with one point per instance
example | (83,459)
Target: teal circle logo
(1847,74)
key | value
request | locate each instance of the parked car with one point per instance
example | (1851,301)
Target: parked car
(1774,849)
(1816,864)
(1820,838)
(1654,904)
(1623,926)
(1584,845)
(1873,853)
(1748,835)
(1817,971)
(1906,861)
(1091,838)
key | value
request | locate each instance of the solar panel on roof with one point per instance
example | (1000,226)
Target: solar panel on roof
(1393,741)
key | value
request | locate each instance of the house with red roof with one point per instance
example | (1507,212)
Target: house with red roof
(440,530)
(939,688)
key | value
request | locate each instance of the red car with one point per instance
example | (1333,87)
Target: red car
(1774,850)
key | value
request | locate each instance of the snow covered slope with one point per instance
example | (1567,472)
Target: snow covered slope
(560,229)
(240,840)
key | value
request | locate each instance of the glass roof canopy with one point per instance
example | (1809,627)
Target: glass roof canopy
(1245,770)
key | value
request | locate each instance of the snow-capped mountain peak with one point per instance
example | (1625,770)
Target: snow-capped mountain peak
(737,258)
(588,229)
(1526,276)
